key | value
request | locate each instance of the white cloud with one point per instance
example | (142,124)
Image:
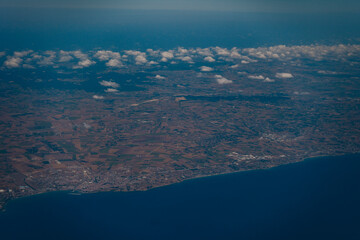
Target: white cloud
(314,52)
(186,59)
(140,60)
(153,63)
(209,59)
(152,52)
(13,62)
(222,51)
(269,80)
(78,54)
(206,69)
(109,84)
(111,90)
(350,53)
(204,52)
(107,55)
(140,57)
(17,58)
(221,80)
(160,77)
(134,52)
(182,51)
(98,97)
(84,63)
(327,72)
(235,54)
(114,63)
(257,77)
(22,53)
(65,56)
(284,75)
(167,54)
(46,60)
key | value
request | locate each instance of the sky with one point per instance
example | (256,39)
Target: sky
(204,5)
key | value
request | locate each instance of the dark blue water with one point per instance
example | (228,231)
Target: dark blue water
(314,199)
(86,29)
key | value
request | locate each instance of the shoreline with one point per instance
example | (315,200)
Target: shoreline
(3,206)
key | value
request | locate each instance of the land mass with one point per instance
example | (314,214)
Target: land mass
(165,125)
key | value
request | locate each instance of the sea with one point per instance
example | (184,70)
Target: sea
(90,29)
(314,199)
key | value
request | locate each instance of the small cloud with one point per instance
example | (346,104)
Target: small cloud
(22,53)
(140,59)
(84,63)
(65,56)
(245,62)
(13,62)
(114,63)
(284,75)
(206,69)
(152,52)
(87,126)
(301,93)
(97,97)
(186,59)
(234,66)
(222,51)
(269,80)
(2,54)
(46,60)
(106,55)
(221,80)
(204,52)
(256,77)
(235,54)
(209,59)
(182,51)
(327,72)
(111,90)
(78,54)
(109,84)
(153,63)
(160,77)
(168,55)
(134,53)
(242,73)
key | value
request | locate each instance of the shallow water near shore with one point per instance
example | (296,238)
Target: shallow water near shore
(314,199)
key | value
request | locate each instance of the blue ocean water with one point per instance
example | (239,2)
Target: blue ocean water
(315,199)
(69,29)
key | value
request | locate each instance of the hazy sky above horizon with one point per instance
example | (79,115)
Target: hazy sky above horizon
(204,5)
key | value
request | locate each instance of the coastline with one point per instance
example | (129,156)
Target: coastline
(76,193)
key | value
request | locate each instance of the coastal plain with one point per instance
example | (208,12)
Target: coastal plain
(62,129)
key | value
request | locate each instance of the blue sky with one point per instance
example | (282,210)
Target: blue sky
(205,5)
